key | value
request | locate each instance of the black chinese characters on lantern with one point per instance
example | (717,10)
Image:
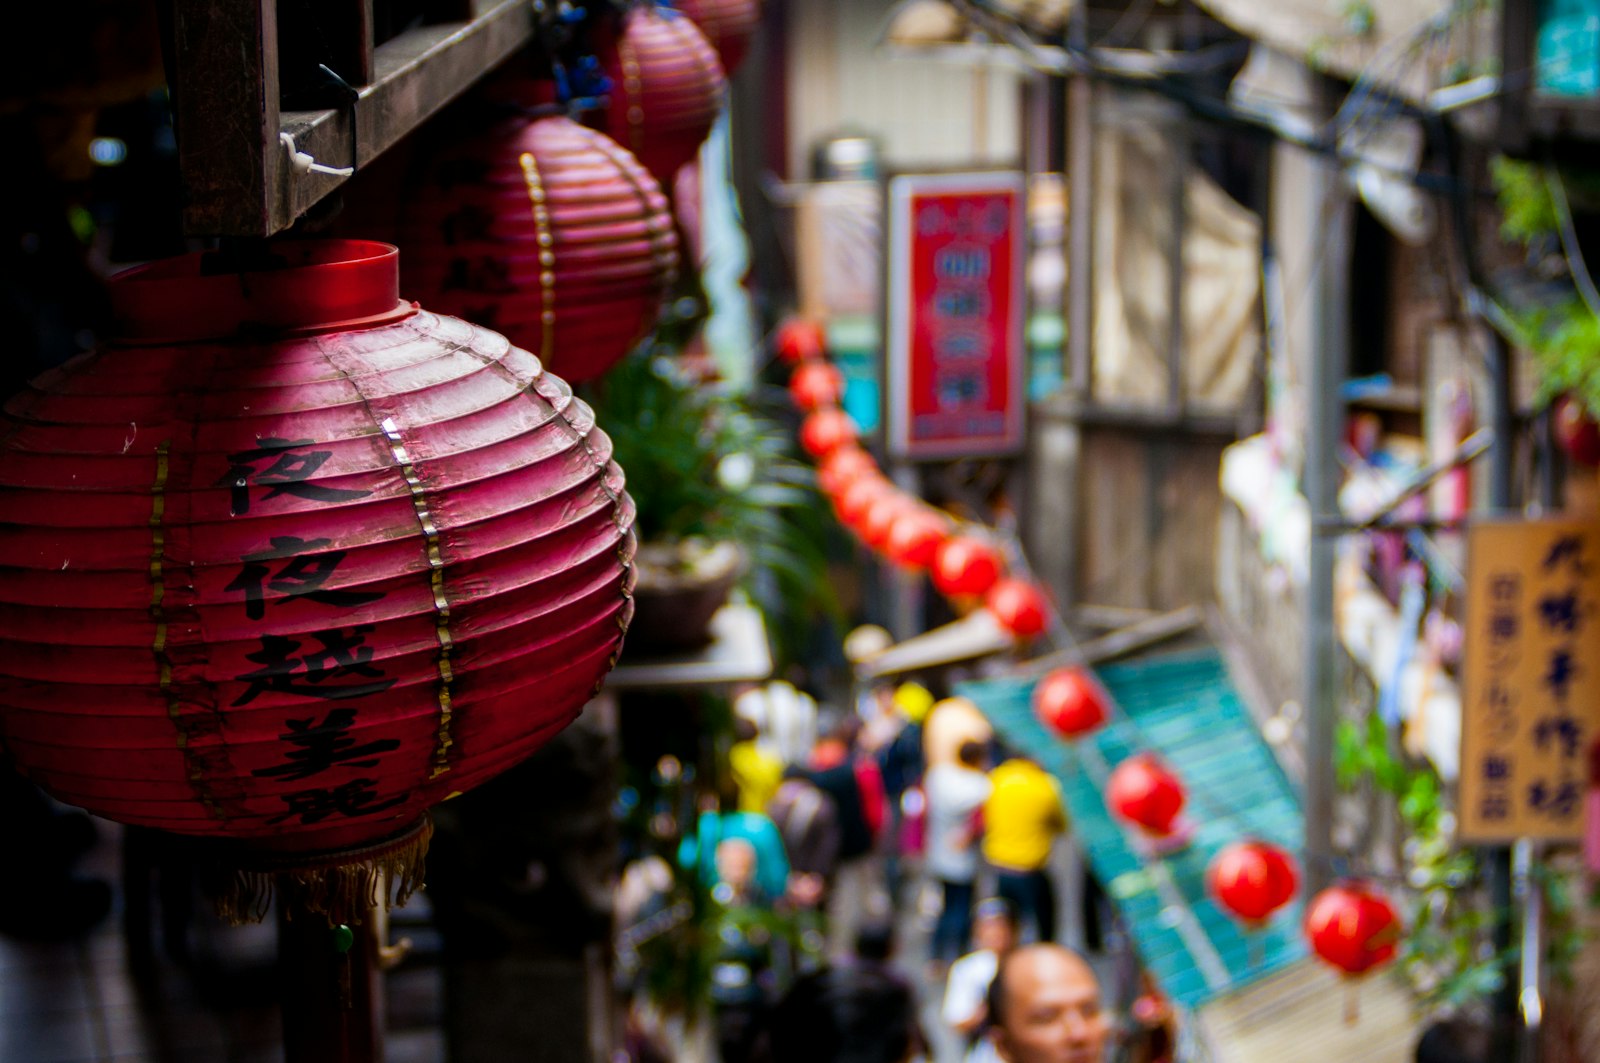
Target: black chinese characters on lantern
(291,560)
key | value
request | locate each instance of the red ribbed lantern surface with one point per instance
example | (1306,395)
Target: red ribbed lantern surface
(965,566)
(727,24)
(291,560)
(667,87)
(549,232)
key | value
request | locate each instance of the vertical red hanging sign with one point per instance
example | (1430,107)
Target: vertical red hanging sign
(955,305)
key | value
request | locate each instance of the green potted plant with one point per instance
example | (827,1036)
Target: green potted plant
(721,502)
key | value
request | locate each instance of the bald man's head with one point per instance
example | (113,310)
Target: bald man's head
(1045,1006)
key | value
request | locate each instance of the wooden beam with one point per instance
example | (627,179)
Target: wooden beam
(224,70)
(414,75)
(237,173)
(1128,640)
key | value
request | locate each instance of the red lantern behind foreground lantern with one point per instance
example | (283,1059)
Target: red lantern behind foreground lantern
(1353,928)
(1068,701)
(1019,606)
(292,560)
(667,86)
(549,232)
(1575,430)
(1252,880)
(825,431)
(727,24)
(1143,792)
(965,566)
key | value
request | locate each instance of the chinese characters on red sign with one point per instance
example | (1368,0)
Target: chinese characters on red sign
(955,315)
(1531,682)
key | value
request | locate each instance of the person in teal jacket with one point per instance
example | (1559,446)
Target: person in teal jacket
(699,850)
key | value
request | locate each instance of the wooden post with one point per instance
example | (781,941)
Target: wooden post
(330,999)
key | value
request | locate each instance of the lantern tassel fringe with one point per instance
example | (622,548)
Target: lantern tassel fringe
(340,890)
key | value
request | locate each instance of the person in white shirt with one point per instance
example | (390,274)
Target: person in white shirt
(955,793)
(966,994)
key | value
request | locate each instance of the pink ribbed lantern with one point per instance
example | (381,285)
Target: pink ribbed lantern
(667,87)
(291,561)
(727,24)
(549,232)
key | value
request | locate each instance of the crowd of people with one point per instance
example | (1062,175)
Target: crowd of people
(906,851)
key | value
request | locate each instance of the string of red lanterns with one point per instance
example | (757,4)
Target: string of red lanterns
(904,529)
(1351,927)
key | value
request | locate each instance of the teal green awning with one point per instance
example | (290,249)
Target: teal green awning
(1183,707)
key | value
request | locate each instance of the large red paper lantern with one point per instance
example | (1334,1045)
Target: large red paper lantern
(291,560)
(727,24)
(965,565)
(1252,879)
(915,539)
(816,384)
(1353,928)
(548,232)
(1068,701)
(826,430)
(666,88)
(1142,791)
(1019,607)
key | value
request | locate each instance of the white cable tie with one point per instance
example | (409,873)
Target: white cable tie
(304,163)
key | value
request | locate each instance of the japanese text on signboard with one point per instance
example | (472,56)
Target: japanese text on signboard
(1531,680)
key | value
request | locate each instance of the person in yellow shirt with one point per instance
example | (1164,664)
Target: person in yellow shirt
(757,774)
(1022,819)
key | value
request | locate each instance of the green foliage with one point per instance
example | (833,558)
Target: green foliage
(1447,953)
(702,460)
(1528,209)
(1565,337)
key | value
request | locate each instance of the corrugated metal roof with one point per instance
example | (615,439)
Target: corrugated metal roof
(1183,707)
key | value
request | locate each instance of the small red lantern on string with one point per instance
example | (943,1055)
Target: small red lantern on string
(1575,430)
(727,24)
(1142,791)
(291,561)
(882,514)
(547,231)
(826,430)
(1354,929)
(1068,701)
(1252,880)
(667,88)
(800,339)
(915,539)
(852,504)
(816,384)
(843,467)
(965,565)
(1019,606)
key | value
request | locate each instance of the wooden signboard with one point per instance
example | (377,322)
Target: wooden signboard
(1531,690)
